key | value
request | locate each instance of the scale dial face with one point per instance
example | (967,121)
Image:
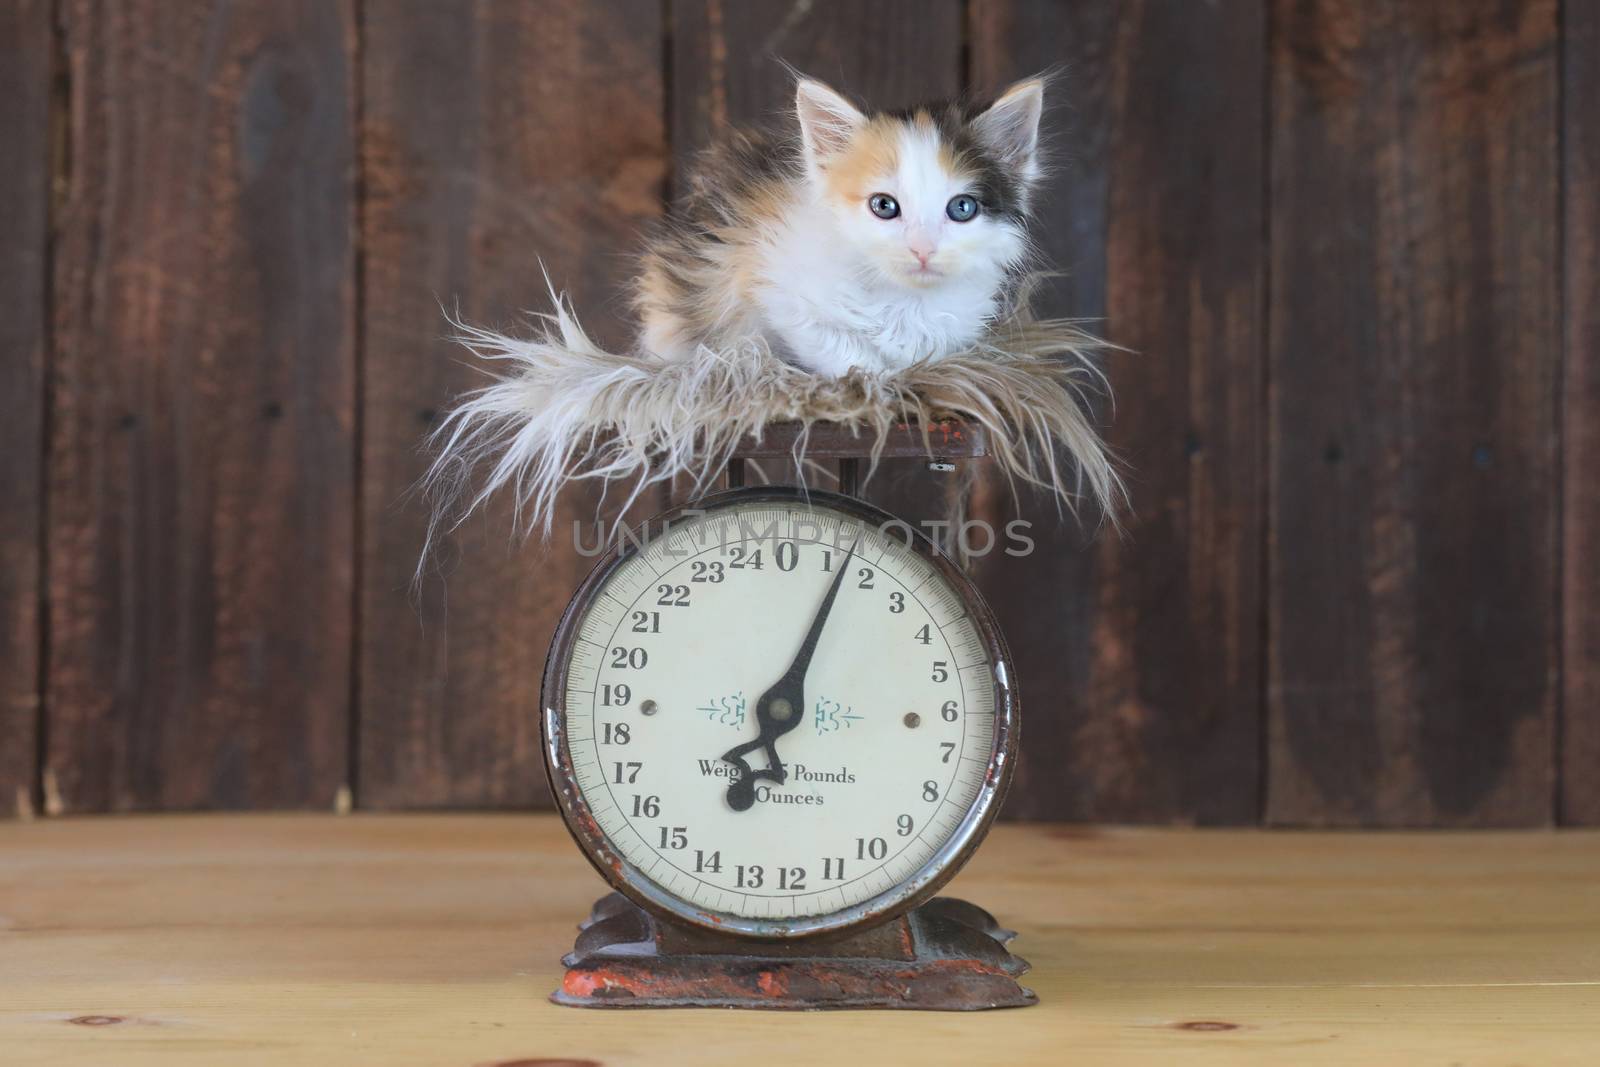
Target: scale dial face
(763,623)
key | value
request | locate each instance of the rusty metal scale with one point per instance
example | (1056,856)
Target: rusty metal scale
(778,721)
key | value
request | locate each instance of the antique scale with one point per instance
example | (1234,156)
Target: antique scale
(777,721)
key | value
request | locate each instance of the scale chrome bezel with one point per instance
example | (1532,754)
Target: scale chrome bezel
(928,879)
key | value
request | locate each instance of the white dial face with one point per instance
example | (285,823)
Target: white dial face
(717,649)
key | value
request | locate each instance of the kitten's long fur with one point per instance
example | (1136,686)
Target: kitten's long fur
(780,295)
(564,410)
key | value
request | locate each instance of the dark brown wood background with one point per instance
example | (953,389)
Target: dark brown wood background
(1351,244)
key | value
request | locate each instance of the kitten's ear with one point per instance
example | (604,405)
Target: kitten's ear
(827,120)
(1010,127)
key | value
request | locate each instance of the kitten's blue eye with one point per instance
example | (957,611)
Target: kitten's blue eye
(961,208)
(883,205)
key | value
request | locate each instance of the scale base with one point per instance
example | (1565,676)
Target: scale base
(946,955)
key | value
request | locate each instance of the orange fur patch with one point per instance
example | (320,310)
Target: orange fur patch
(953,164)
(873,154)
(767,200)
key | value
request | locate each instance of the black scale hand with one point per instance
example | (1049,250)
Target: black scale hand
(780,709)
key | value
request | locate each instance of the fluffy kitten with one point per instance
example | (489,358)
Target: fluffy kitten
(871,241)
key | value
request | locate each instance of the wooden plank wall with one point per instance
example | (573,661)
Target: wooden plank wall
(25,99)
(1351,245)
(498,137)
(201,483)
(1580,121)
(1415,342)
(1139,652)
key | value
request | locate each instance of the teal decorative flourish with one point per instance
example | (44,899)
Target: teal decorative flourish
(830,715)
(729,711)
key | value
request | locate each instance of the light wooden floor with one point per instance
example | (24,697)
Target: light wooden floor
(433,940)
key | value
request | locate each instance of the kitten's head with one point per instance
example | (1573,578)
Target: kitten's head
(932,196)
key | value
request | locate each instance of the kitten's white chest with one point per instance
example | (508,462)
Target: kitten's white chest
(829,315)
(906,328)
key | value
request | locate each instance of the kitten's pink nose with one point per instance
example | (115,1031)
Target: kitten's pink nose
(922,247)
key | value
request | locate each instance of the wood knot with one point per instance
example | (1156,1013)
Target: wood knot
(96,1020)
(1205,1025)
(1075,832)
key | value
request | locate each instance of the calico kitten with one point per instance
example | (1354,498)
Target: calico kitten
(871,241)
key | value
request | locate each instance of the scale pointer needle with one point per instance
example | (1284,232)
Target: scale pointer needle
(780,708)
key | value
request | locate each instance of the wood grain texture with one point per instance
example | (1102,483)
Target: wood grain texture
(1580,734)
(200,480)
(498,137)
(1139,653)
(728,56)
(427,940)
(1415,346)
(728,61)
(25,101)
